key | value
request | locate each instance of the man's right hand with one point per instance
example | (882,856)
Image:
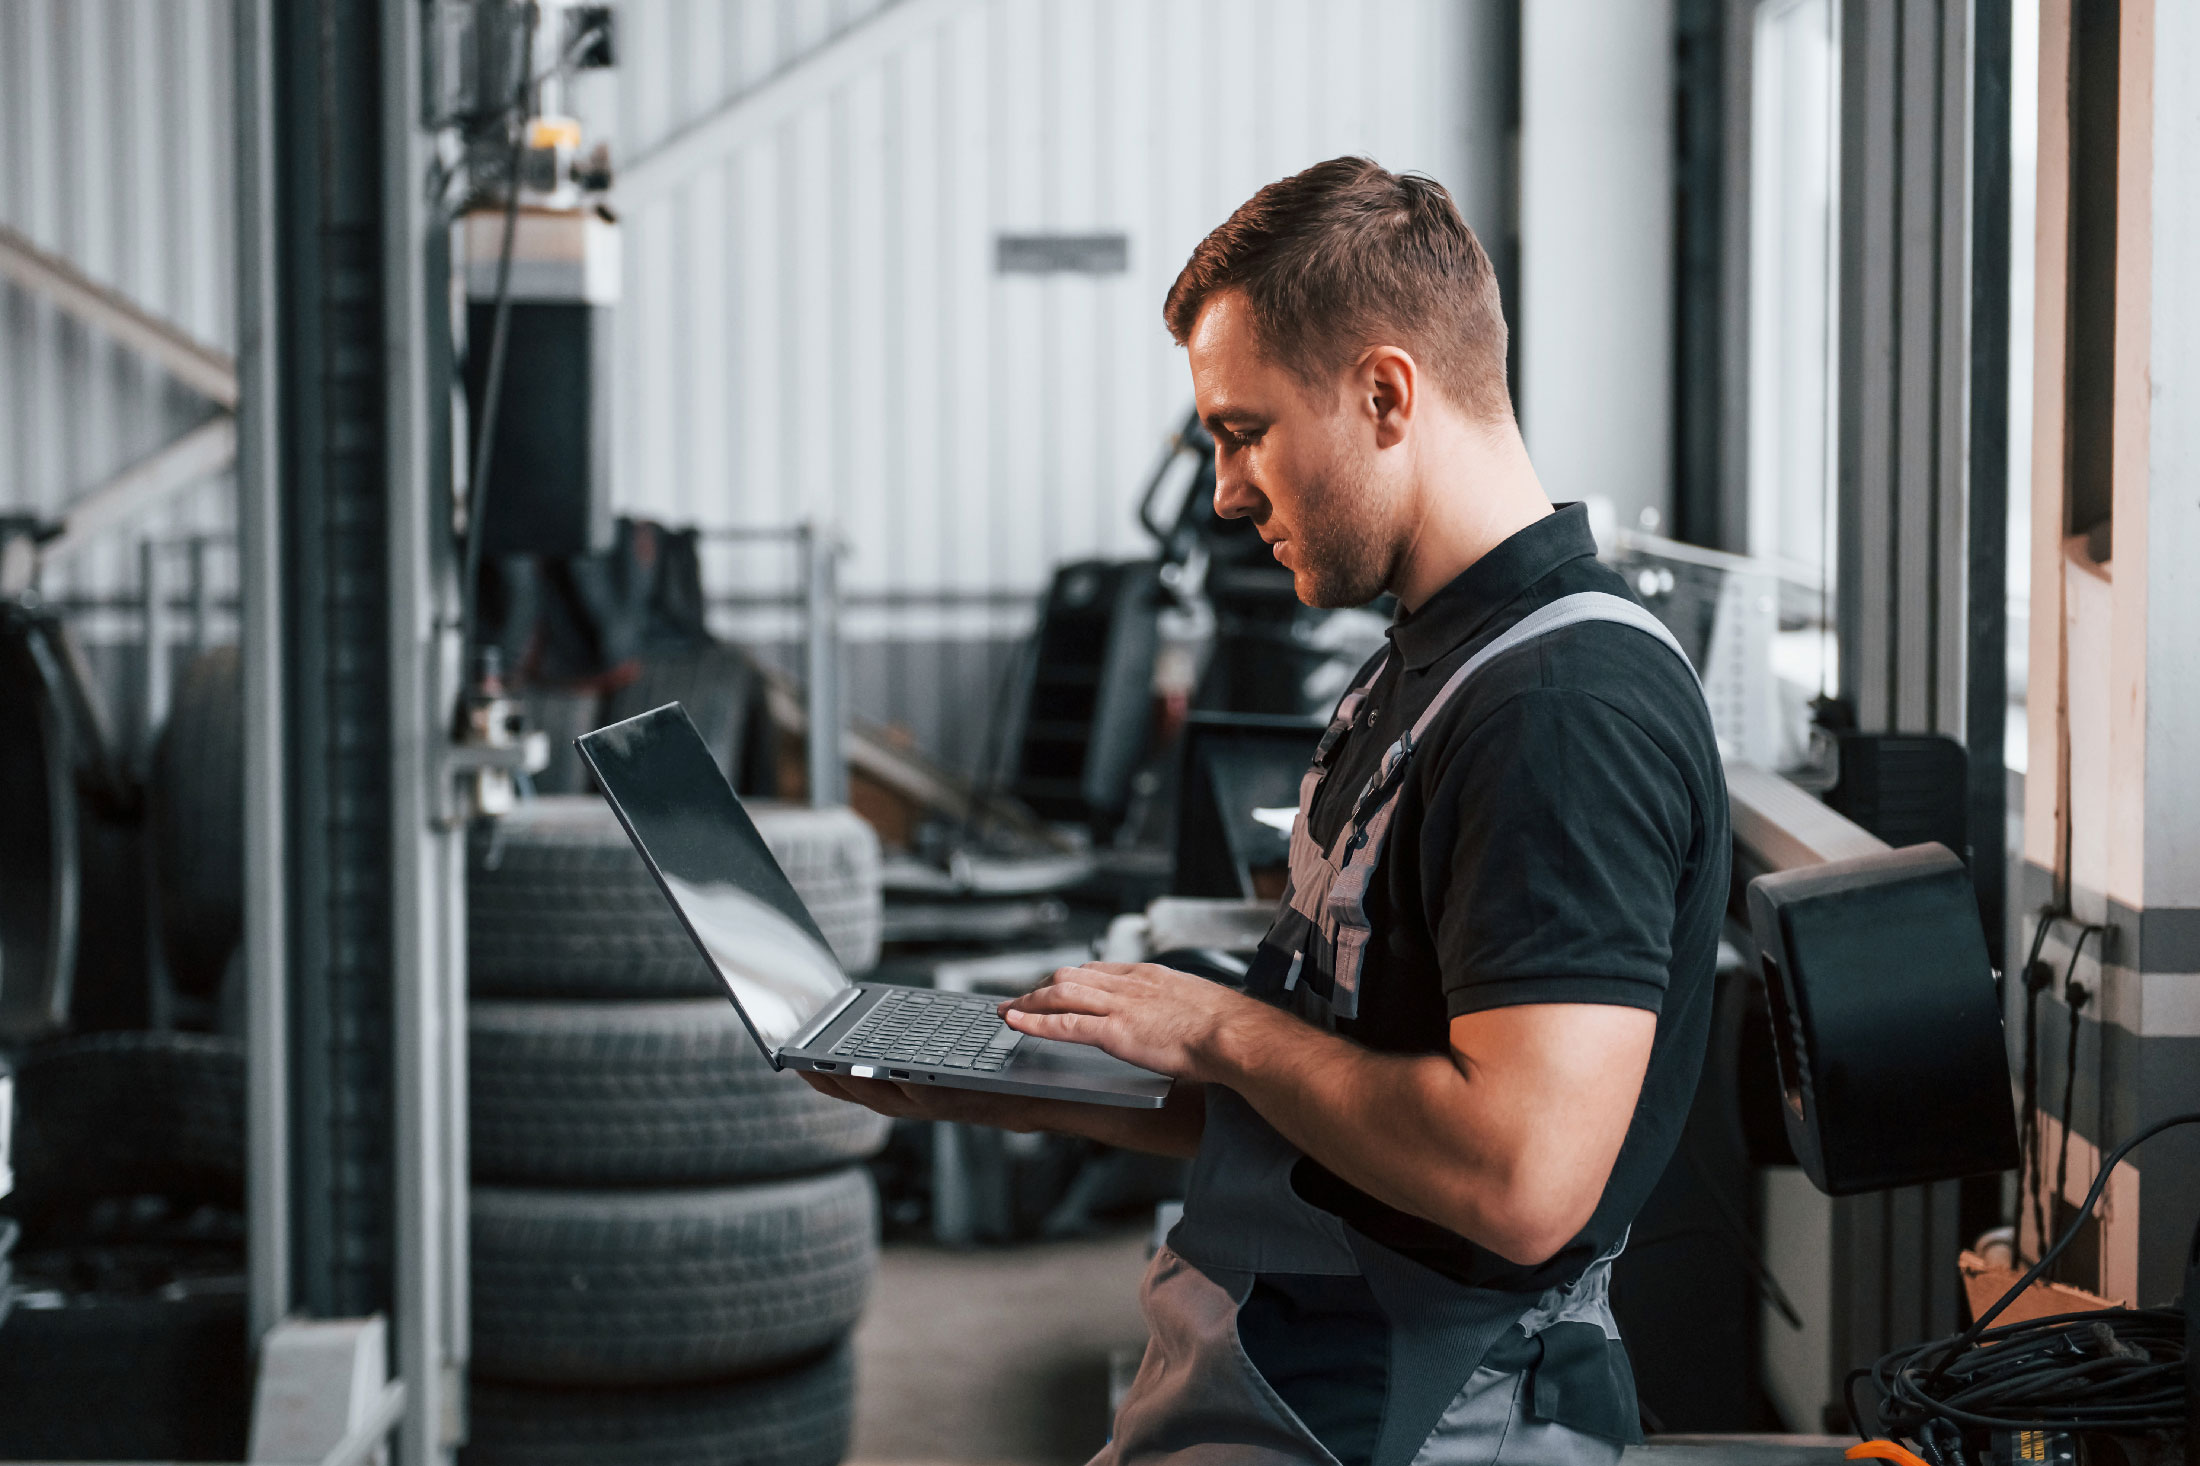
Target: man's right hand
(1172,1130)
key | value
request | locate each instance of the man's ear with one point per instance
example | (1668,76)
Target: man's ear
(1389,387)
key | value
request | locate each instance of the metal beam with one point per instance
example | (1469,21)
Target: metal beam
(205,370)
(427,864)
(196,456)
(769,102)
(1904,361)
(266,944)
(1779,825)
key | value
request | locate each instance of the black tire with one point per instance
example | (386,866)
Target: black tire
(196,807)
(797,1417)
(560,906)
(128,1114)
(832,857)
(579,1094)
(667,1287)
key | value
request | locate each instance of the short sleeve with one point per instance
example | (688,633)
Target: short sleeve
(1567,830)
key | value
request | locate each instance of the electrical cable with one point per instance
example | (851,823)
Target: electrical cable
(2074,998)
(2116,1371)
(492,381)
(2028,1117)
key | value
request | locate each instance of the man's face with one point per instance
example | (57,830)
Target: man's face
(1299,462)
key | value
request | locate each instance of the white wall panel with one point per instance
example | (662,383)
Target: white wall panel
(115,116)
(1596,249)
(812,323)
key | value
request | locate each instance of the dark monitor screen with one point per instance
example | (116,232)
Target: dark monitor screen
(716,870)
(1236,766)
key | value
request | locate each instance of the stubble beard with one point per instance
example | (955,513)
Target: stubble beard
(1344,557)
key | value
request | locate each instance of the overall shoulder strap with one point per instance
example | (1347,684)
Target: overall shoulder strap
(1588,605)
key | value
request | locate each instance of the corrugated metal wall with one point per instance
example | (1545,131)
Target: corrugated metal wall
(116,116)
(813,326)
(115,154)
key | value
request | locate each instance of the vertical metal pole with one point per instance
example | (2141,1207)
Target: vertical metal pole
(1987,663)
(260,591)
(202,597)
(153,586)
(828,768)
(420,686)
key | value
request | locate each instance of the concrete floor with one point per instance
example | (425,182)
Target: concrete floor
(997,1355)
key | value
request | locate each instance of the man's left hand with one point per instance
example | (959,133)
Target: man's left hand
(1154,1017)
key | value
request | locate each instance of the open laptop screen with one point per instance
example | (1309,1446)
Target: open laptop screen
(731,894)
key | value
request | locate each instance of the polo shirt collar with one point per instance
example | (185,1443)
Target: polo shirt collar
(1455,613)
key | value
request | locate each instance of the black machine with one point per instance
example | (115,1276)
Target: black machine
(1089,706)
(1088,713)
(1236,768)
(549,490)
(1883,1010)
(1906,788)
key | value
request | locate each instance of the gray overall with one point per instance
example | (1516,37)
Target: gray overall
(1474,1374)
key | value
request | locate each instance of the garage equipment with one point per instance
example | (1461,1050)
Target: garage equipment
(1238,784)
(57,777)
(1884,1009)
(1893,1071)
(549,484)
(1089,706)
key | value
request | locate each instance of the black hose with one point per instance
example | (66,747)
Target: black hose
(492,393)
(2074,998)
(2118,1370)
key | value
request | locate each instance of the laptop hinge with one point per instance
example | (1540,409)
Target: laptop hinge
(822,1021)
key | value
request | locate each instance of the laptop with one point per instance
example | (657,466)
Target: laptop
(798,1004)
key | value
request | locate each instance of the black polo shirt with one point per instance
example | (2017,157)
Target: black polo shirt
(1561,837)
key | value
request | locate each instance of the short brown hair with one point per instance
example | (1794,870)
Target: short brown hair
(1347,252)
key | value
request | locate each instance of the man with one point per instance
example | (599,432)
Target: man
(1470,1041)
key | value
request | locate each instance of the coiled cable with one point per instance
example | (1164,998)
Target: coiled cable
(2114,1371)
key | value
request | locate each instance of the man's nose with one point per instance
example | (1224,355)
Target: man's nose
(1235,498)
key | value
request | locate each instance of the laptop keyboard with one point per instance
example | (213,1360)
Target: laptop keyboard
(938,1030)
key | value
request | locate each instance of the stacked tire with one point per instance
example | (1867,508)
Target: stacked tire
(671,1241)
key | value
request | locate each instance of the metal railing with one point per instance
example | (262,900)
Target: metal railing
(818,549)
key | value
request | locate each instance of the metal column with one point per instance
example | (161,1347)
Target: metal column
(825,736)
(427,845)
(1904,365)
(259,544)
(1915,560)
(354,873)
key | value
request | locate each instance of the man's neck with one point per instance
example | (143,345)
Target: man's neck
(1477,489)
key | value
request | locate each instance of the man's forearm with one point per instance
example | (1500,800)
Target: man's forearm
(1387,1124)
(1507,1138)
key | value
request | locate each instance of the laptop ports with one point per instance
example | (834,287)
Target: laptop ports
(827,1067)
